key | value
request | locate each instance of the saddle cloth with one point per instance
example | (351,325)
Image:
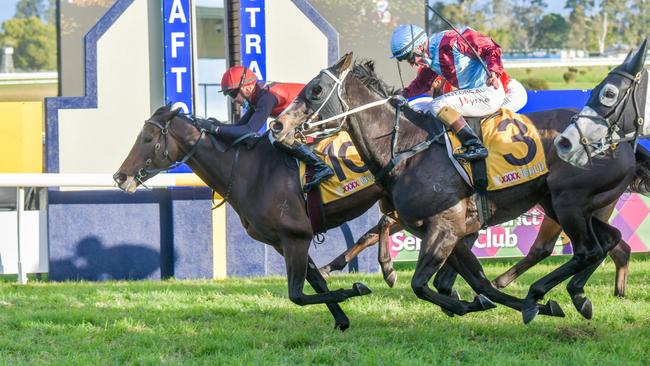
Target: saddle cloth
(516,154)
(350,172)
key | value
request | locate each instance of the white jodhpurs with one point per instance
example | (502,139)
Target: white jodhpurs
(516,97)
(475,102)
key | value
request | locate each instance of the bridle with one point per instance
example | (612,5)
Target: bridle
(143,173)
(325,132)
(613,120)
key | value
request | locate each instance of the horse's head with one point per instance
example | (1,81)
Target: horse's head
(319,99)
(614,112)
(153,151)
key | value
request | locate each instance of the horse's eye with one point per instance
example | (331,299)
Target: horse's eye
(316,92)
(147,139)
(608,95)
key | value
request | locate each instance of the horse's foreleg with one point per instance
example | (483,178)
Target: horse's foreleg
(441,236)
(319,285)
(607,236)
(296,259)
(548,233)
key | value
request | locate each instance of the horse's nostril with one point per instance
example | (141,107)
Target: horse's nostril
(564,143)
(119,178)
(276,126)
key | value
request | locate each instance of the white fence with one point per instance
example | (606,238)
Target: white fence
(23,246)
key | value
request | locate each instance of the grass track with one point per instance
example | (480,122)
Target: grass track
(251,321)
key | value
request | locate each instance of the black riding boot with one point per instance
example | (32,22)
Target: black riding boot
(321,170)
(474,149)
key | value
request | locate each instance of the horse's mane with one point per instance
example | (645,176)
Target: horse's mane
(364,71)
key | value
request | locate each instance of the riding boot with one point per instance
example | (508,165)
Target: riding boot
(321,170)
(474,149)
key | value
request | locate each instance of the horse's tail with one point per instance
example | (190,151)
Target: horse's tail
(641,182)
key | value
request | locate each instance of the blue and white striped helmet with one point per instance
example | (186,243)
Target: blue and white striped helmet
(405,38)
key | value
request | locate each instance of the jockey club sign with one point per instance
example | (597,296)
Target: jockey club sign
(253,36)
(177,40)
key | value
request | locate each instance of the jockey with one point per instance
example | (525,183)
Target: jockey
(266,100)
(477,93)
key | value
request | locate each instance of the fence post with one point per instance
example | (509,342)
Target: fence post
(20,207)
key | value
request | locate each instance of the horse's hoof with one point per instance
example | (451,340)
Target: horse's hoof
(555,309)
(486,304)
(342,326)
(391,278)
(361,289)
(497,285)
(583,304)
(447,312)
(528,314)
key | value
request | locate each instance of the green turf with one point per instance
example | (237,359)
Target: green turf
(251,322)
(587,77)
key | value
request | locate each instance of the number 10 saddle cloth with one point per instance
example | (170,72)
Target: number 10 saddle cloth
(516,154)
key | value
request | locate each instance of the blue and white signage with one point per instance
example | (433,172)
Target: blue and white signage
(177,38)
(253,36)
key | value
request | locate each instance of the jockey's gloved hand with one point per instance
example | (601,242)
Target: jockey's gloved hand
(399,101)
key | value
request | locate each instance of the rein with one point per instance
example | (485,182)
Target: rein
(609,141)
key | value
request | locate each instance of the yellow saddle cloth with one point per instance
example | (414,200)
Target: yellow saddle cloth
(515,150)
(350,172)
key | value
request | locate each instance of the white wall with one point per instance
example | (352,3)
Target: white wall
(295,49)
(128,58)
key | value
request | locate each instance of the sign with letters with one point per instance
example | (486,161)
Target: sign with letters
(253,36)
(177,40)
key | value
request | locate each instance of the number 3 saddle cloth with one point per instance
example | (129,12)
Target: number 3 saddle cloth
(516,154)
(350,172)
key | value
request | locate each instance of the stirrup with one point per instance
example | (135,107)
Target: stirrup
(318,178)
(477,153)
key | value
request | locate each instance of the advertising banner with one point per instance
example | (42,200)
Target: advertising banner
(514,238)
(177,38)
(253,36)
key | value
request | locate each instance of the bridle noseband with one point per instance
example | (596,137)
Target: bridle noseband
(609,142)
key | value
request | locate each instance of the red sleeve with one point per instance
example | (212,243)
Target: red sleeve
(489,50)
(421,84)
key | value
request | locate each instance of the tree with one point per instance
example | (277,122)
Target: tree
(581,31)
(34,43)
(526,15)
(553,30)
(43,9)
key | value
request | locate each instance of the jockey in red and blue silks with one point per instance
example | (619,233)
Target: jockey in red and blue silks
(266,100)
(477,93)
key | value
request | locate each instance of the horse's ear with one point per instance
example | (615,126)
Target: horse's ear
(635,64)
(168,106)
(343,63)
(175,111)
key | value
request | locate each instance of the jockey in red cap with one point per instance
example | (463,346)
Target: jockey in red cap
(266,100)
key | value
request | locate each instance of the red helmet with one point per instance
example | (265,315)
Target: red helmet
(236,77)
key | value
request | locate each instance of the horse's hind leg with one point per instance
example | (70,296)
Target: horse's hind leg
(548,233)
(607,237)
(620,253)
(368,239)
(386,227)
(621,257)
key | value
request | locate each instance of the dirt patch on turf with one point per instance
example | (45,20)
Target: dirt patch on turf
(577,333)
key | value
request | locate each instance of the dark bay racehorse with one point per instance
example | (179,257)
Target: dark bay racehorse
(432,200)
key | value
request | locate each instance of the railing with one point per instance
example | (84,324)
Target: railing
(21,181)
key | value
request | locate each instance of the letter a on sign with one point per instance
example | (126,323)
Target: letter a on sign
(177,12)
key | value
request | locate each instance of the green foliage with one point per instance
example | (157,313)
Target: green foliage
(535,84)
(569,77)
(34,43)
(44,9)
(573,69)
(529,71)
(250,321)
(553,30)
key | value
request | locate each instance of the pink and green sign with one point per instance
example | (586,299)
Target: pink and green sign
(514,238)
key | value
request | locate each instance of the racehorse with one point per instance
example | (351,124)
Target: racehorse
(431,198)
